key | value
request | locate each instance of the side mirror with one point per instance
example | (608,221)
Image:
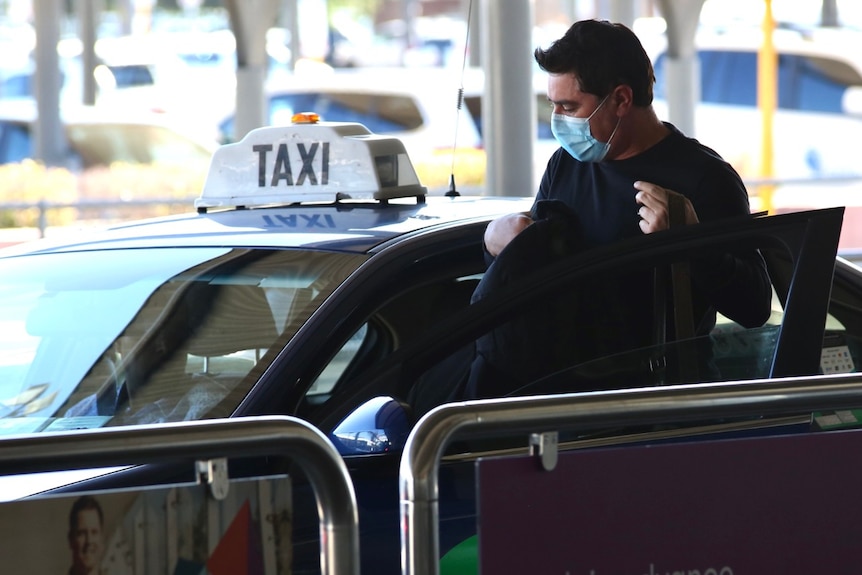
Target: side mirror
(379,425)
(851,101)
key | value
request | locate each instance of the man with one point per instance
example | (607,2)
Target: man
(85,536)
(615,171)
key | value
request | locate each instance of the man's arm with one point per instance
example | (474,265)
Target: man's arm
(502,230)
(737,285)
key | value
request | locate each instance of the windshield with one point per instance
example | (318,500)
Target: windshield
(89,339)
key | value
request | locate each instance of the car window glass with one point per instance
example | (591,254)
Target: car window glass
(843,338)
(330,375)
(737,354)
(129,75)
(379,113)
(728,352)
(543,115)
(728,77)
(813,84)
(17,86)
(187,327)
(401,319)
(16,144)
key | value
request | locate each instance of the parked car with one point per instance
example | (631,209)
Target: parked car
(315,278)
(819,91)
(417,105)
(102,136)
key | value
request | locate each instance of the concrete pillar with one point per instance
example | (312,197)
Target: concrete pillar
(623,11)
(250,19)
(829,13)
(49,140)
(509,106)
(682,69)
(88,12)
(290,20)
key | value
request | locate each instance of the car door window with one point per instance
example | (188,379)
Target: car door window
(333,371)
(400,320)
(842,346)
(432,368)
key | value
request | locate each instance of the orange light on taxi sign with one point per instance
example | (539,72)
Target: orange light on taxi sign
(305,118)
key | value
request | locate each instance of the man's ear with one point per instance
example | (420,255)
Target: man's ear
(623,97)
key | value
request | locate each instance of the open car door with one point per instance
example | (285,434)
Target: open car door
(799,248)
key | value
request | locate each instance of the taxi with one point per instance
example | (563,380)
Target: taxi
(316,278)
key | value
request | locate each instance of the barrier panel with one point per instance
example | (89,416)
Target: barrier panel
(780,504)
(545,415)
(177,528)
(208,443)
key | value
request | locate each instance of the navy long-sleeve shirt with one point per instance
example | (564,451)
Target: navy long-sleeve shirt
(603,197)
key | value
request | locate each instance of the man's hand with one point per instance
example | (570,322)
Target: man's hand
(653,207)
(502,230)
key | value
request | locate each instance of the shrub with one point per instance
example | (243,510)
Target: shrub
(31,182)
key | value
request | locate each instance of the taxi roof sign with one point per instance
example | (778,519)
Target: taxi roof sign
(323,161)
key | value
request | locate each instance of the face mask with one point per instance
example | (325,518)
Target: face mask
(575,137)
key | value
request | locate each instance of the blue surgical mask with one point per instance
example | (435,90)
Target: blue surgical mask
(575,137)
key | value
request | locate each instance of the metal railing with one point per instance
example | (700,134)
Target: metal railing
(44,206)
(207,440)
(427,442)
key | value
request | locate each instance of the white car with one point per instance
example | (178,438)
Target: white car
(818,120)
(419,106)
(100,136)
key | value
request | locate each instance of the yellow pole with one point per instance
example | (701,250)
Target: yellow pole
(767,101)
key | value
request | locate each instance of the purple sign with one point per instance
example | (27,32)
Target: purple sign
(788,504)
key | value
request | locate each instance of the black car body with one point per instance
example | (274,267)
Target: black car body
(354,314)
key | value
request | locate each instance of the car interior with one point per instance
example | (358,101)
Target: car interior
(401,351)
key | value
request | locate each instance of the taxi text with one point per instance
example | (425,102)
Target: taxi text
(281,168)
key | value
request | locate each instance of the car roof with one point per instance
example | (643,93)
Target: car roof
(322,185)
(808,41)
(377,79)
(103,134)
(24,110)
(355,227)
(423,83)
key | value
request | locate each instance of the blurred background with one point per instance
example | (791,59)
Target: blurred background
(110,109)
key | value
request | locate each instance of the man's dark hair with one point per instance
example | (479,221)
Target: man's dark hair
(602,55)
(82,504)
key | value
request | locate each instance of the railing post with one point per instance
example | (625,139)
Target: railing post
(43,218)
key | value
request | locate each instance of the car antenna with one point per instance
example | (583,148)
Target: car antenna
(453,191)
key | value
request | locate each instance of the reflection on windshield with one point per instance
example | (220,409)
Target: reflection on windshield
(147,335)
